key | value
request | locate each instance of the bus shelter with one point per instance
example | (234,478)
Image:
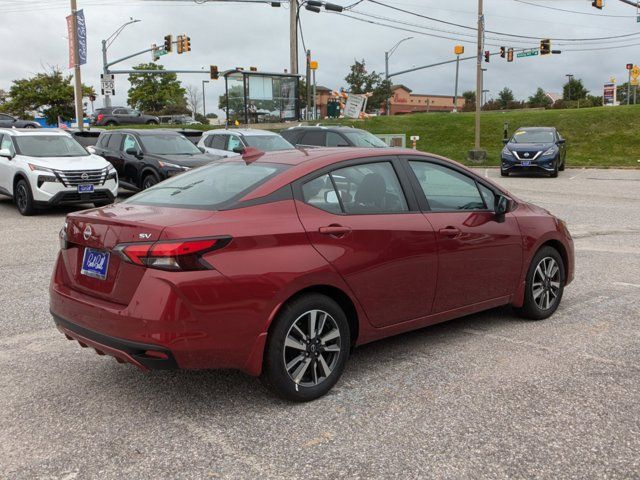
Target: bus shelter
(261,97)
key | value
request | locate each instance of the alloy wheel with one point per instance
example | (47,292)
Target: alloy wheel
(545,287)
(312,348)
(21,197)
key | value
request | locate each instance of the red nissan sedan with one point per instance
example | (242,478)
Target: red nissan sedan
(279,264)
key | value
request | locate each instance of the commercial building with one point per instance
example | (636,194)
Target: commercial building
(405,101)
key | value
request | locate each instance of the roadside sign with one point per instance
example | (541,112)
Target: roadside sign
(354,106)
(528,53)
(108,84)
(414,138)
(313,65)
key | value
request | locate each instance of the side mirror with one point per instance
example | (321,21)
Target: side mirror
(6,153)
(501,207)
(561,141)
(505,141)
(132,151)
(91,149)
(331,197)
(239,150)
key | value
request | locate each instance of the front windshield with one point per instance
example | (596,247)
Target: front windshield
(49,146)
(268,143)
(360,138)
(211,186)
(533,136)
(168,145)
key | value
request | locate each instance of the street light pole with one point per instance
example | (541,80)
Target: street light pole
(105,46)
(204,100)
(478,155)
(76,68)
(293,36)
(387,56)
(455,94)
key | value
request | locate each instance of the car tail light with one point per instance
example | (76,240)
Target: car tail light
(100,117)
(174,255)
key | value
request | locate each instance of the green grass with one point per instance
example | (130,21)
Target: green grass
(596,137)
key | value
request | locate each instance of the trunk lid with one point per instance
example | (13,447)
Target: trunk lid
(102,229)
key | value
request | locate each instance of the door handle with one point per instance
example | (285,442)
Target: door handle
(334,230)
(450,232)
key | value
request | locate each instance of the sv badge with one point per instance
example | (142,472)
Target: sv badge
(144,236)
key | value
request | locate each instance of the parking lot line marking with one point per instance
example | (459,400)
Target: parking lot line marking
(576,176)
(625,284)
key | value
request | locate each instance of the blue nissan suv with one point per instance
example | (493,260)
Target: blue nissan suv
(540,149)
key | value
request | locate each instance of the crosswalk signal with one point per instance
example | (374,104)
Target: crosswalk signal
(487,56)
(510,55)
(168,43)
(213,72)
(598,4)
(545,46)
(503,52)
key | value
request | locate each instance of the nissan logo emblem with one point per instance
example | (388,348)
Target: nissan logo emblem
(85,176)
(526,154)
(87,232)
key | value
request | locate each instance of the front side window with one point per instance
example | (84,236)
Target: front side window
(49,146)
(212,187)
(7,144)
(234,142)
(446,189)
(336,140)
(321,194)
(168,144)
(103,141)
(130,143)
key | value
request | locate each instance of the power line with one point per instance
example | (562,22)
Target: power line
(574,11)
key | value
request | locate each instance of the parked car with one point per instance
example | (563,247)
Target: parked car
(7,121)
(44,168)
(112,116)
(320,136)
(540,149)
(229,143)
(146,157)
(178,120)
(279,263)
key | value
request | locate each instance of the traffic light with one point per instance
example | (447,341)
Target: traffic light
(168,43)
(487,55)
(253,69)
(545,46)
(180,45)
(629,66)
(598,4)
(186,43)
(510,55)
(503,52)
(213,72)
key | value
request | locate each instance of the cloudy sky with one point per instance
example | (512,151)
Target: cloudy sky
(230,35)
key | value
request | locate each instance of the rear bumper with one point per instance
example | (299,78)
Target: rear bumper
(144,356)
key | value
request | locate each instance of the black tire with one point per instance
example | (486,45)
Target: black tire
(152,122)
(30,126)
(111,123)
(149,180)
(504,173)
(531,309)
(314,358)
(554,174)
(23,198)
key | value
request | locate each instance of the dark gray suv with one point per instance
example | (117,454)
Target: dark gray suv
(111,116)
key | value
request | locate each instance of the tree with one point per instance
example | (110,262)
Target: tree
(505,96)
(622,94)
(194,99)
(574,90)
(361,81)
(236,103)
(540,99)
(469,100)
(50,92)
(154,93)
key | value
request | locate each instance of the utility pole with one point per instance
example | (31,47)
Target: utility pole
(309,87)
(629,88)
(204,100)
(105,71)
(293,36)
(570,77)
(76,68)
(386,77)
(477,154)
(455,94)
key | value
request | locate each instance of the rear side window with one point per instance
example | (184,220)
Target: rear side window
(219,142)
(336,140)
(314,138)
(447,189)
(361,189)
(115,140)
(103,141)
(7,144)
(214,186)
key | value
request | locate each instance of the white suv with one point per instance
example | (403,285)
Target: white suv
(41,168)
(230,143)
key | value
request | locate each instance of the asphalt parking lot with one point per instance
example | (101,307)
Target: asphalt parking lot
(486,396)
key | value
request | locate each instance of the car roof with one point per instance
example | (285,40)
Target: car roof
(21,132)
(241,132)
(340,128)
(550,129)
(143,132)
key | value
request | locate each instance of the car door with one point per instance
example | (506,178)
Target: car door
(7,166)
(374,235)
(112,153)
(6,120)
(479,256)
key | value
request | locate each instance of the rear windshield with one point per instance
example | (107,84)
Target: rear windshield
(361,138)
(214,186)
(49,146)
(168,145)
(268,143)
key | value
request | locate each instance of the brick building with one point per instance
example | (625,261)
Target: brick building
(404,101)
